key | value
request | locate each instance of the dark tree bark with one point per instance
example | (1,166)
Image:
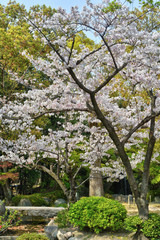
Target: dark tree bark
(7,191)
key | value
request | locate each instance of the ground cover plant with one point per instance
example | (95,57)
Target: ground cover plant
(8,219)
(31,236)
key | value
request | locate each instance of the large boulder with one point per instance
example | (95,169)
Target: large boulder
(2,208)
(64,235)
(60,236)
(51,232)
(24,202)
(47,200)
(59,202)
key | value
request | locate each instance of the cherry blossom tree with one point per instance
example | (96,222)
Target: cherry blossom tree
(116,81)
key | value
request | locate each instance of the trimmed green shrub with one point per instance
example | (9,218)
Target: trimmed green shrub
(131,223)
(97,213)
(151,227)
(31,236)
(62,219)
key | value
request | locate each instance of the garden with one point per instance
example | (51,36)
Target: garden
(88,218)
(80,120)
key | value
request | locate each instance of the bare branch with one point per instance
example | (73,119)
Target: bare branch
(110,51)
(11,118)
(150,148)
(110,77)
(49,42)
(73,42)
(89,54)
(139,125)
(62,110)
(71,72)
(64,157)
(82,183)
(49,112)
(77,172)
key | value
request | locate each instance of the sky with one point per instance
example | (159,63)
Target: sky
(67,4)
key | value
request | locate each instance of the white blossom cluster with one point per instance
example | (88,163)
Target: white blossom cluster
(122,71)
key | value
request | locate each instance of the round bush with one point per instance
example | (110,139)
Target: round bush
(97,213)
(31,236)
(151,227)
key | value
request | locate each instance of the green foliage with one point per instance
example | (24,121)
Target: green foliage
(31,236)
(150,227)
(154,192)
(53,195)
(97,213)
(28,178)
(112,6)
(155,172)
(63,219)
(131,223)
(10,218)
(36,199)
(107,195)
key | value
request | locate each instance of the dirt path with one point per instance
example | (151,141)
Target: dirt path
(101,236)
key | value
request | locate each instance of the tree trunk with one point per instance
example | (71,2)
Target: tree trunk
(143,207)
(96,181)
(7,191)
(56,178)
(139,235)
(72,194)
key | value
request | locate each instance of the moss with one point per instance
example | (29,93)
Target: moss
(31,236)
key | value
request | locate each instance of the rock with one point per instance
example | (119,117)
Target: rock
(130,199)
(47,200)
(2,208)
(73,238)
(51,223)
(157,199)
(51,232)
(43,212)
(68,235)
(25,202)
(59,202)
(60,236)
